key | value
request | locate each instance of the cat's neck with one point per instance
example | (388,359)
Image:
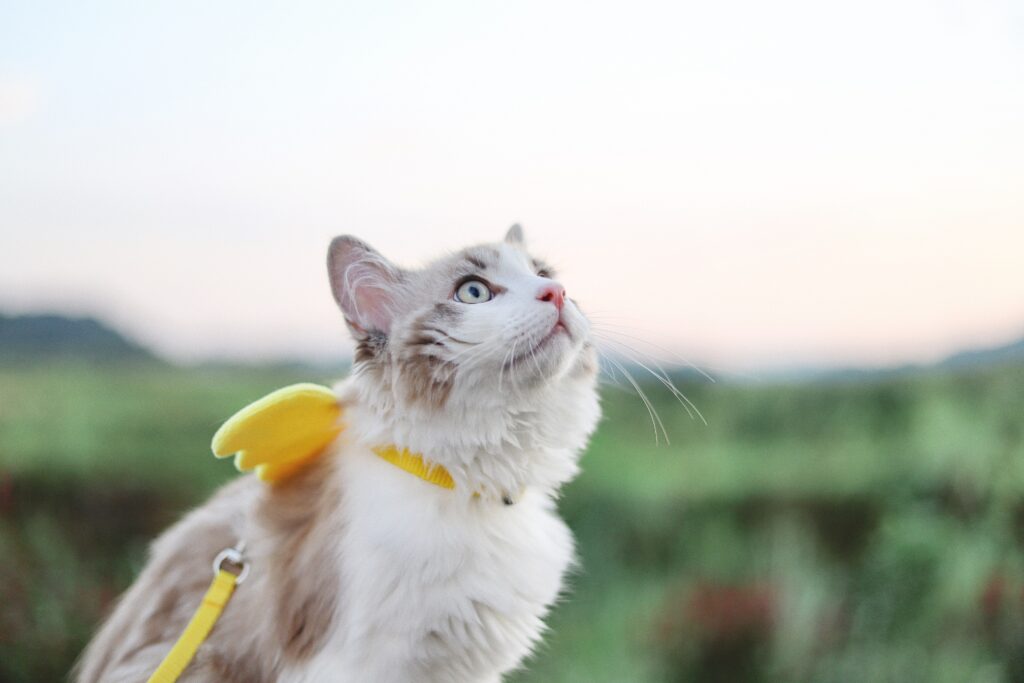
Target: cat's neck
(495,443)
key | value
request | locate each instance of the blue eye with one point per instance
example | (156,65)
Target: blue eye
(473,292)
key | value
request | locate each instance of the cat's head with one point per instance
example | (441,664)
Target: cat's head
(490,320)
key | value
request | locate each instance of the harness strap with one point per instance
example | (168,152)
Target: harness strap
(199,626)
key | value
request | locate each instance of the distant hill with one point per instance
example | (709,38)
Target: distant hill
(51,336)
(971,359)
(46,337)
(1008,353)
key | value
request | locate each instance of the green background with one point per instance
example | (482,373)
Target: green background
(859,530)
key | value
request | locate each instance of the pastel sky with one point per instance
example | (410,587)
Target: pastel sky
(746,183)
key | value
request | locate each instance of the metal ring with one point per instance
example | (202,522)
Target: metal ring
(234,556)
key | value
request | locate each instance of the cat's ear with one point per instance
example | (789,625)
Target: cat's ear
(515,236)
(365,285)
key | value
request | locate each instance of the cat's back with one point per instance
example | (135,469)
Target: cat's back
(270,618)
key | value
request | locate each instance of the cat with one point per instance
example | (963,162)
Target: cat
(360,571)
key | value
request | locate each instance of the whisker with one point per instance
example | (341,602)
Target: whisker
(662,377)
(533,357)
(655,417)
(482,347)
(708,370)
(668,384)
(680,359)
(501,372)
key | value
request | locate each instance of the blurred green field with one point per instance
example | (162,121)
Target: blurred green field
(859,531)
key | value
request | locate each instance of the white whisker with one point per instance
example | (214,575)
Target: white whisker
(675,356)
(655,418)
(662,377)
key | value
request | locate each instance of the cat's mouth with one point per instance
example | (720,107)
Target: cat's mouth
(558,330)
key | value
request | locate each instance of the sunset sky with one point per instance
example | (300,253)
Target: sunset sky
(748,184)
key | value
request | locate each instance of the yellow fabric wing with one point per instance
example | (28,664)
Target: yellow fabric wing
(278,434)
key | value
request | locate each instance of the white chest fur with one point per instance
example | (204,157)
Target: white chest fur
(436,586)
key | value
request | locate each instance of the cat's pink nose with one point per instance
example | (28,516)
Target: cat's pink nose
(555,293)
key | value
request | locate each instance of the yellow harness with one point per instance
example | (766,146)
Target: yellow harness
(275,436)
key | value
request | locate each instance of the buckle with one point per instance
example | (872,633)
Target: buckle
(232,556)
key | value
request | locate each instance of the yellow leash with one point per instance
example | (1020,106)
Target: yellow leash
(217,596)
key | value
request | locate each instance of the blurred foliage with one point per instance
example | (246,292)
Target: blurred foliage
(846,532)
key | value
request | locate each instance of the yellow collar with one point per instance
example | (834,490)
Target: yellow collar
(414,464)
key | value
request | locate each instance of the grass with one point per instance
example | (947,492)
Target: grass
(816,532)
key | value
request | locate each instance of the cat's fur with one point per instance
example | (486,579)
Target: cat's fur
(361,572)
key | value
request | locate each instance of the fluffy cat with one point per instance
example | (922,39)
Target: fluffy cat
(360,571)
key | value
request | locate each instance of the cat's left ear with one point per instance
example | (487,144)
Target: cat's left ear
(515,236)
(365,284)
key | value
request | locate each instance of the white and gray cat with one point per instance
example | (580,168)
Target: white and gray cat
(360,571)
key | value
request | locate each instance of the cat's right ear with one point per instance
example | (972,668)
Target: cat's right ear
(515,236)
(365,285)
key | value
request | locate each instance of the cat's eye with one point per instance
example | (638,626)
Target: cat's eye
(473,292)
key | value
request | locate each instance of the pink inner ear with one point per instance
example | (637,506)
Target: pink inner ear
(364,284)
(373,307)
(367,299)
